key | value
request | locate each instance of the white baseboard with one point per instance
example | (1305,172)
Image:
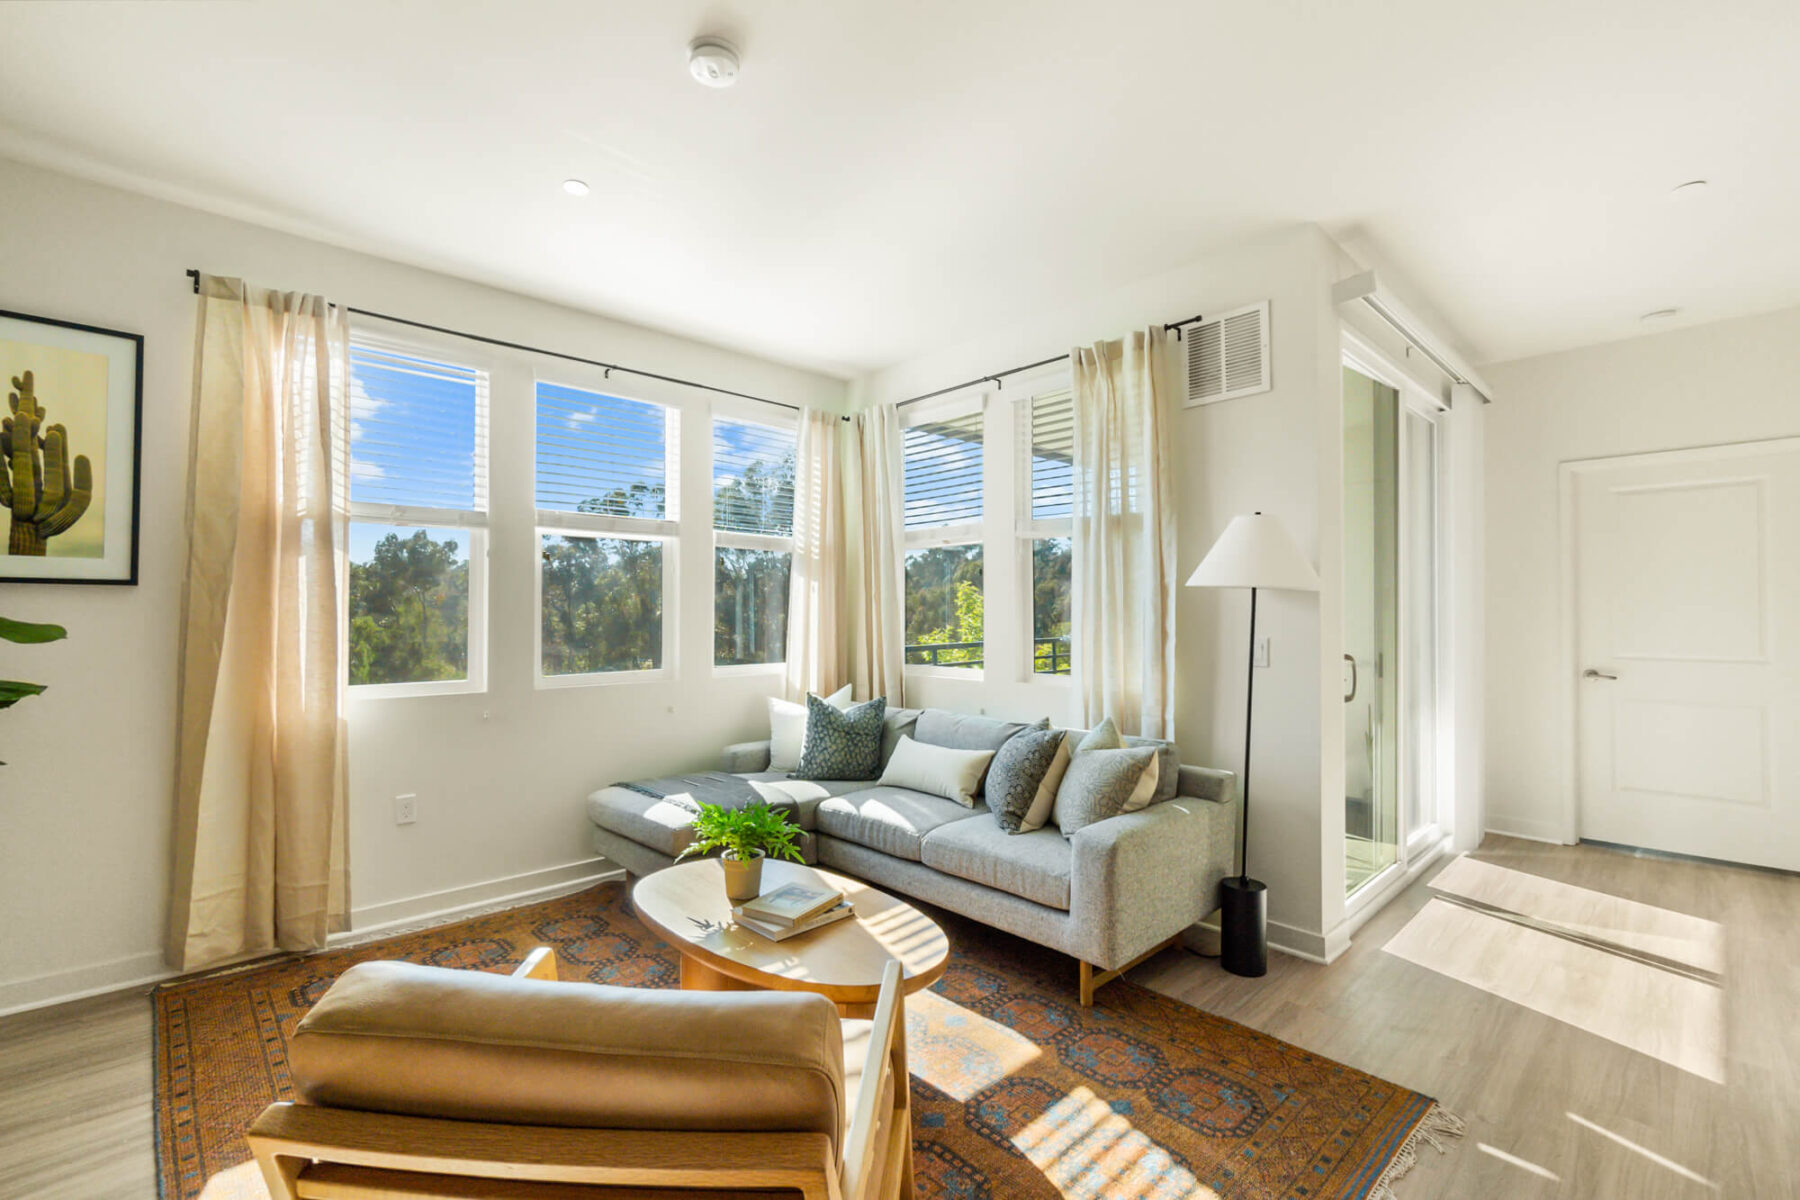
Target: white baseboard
(435,908)
(1301,943)
(78,983)
(1529,828)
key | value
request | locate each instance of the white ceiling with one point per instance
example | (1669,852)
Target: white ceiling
(888,177)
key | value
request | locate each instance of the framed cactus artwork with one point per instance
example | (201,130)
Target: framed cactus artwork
(69,446)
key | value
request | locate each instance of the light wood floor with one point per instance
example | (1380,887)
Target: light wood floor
(75,1080)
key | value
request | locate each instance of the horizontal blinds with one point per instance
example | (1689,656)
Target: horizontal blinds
(1052,455)
(943,471)
(601,454)
(417,433)
(753,478)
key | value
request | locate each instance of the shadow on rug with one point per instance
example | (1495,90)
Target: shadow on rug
(1018,1092)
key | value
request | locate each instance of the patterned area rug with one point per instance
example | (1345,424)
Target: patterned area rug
(1018,1091)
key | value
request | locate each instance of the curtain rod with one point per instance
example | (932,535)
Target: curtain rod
(592,362)
(998,377)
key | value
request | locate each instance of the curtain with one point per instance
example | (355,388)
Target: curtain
(260,843)
(1124,536)
(816,640)
(872,498)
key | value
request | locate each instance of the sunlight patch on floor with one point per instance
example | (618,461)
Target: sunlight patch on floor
(242,1182)
(959,1052)
(1090,1151)
(1653,1156)
(1524,1164)
(1669,1016)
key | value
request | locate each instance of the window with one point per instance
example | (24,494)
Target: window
(942,454)
(1048,481)
(418,522)
(753,540)
(607,523)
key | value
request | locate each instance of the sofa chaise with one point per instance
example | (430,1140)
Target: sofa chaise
(1114,893)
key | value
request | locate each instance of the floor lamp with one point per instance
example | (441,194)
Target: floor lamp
(1254,552)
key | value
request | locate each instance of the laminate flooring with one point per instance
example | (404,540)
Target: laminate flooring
(1553,1109)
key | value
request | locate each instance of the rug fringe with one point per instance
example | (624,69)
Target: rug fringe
(1437,1123)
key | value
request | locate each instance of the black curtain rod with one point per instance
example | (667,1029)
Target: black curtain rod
(592,362)
(998,377)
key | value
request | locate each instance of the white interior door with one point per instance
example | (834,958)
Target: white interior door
(1687,593)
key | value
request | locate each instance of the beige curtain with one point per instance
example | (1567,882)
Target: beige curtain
(259,851)
(872,500)
(816,635)
(1124,594)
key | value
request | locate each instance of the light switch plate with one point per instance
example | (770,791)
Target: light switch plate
(1262,652)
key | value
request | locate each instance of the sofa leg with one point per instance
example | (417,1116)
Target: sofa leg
(1092,981)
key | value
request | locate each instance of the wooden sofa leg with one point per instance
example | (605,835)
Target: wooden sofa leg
(1092,981)
(1087,984)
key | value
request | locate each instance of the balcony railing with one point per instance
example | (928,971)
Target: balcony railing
(1049,655)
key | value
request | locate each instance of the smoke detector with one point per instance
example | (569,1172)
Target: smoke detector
(713,61)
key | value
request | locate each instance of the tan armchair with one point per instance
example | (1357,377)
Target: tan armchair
(419,1082)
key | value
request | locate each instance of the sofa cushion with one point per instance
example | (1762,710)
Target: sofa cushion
(1168,758)
(1100,784)
(468,1045)
(1033,866)
(1105,736)
(842,743)
(898,723)
(1017,778)
(937,770)
(959,731)
(893,820)
(666,825)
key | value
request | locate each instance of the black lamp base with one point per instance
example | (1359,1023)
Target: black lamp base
(1244,927)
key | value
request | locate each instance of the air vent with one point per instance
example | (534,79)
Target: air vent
(1228,355)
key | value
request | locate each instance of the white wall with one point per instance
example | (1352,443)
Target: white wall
(1278,452)
(1727,382)
(500,776)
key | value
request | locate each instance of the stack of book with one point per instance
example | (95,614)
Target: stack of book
(791,909)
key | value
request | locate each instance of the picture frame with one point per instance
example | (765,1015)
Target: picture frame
(69,501)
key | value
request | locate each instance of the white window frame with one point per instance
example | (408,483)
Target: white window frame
(667,530)
(475,522)
(735,540)
(1028,528)
(968,533)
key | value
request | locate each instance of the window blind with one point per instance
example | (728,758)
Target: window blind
(753,478)
(943,466)
(1052,456)
(601,454)
(416,437)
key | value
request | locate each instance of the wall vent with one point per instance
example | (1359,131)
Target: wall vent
(1228,355)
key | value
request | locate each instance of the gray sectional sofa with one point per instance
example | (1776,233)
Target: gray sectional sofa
(1111,895)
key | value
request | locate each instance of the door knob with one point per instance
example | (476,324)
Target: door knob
(1591,673)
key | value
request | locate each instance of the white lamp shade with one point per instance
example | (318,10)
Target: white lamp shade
(1255,552)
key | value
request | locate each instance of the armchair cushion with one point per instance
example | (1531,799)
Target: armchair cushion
(424,1041)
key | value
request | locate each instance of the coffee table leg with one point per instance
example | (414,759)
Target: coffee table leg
(696,976)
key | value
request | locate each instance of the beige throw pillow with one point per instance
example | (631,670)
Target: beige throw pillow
(937,770)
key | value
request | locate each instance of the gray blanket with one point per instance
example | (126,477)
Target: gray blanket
(706,787)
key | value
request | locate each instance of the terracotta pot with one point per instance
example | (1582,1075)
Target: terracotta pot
(743,879)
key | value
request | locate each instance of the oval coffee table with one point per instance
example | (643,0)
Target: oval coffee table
(685,905)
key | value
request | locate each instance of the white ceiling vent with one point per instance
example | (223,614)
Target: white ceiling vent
(1228,355)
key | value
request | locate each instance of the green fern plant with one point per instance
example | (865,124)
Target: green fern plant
(741,832)
(24,633)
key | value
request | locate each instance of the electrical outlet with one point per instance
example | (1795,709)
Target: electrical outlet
(406,809)
(1262,652)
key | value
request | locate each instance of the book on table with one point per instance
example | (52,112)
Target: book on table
(793,902)
(778,933)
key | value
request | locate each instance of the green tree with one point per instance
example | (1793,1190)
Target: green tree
(409,612)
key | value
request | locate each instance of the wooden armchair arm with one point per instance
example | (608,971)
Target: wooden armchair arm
(878,1144)
(539,964)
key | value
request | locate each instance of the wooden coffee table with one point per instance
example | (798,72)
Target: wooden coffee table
(685,905)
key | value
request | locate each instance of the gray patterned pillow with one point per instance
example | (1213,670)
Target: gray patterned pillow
(1098,784)
(841,744)
(1018,769)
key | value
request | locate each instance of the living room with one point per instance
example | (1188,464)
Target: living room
(1457,338)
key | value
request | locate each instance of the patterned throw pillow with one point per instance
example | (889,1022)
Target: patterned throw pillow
(1098,785)
(1016,775)
(841,745)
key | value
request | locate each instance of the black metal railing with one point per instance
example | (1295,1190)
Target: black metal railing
(1049,655)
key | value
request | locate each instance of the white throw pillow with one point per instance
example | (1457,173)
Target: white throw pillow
(787,728)
(937,770)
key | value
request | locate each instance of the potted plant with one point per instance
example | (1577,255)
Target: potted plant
(26,634)
(744,837)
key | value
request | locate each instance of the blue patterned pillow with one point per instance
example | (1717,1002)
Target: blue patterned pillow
(841,744)
(1016,775)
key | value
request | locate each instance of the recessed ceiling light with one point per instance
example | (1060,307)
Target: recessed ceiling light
(713,61)
(575,187)
(1661,314)
(1692,189)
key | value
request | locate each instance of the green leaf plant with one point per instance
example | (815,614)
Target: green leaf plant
(24,633)
(741,832)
